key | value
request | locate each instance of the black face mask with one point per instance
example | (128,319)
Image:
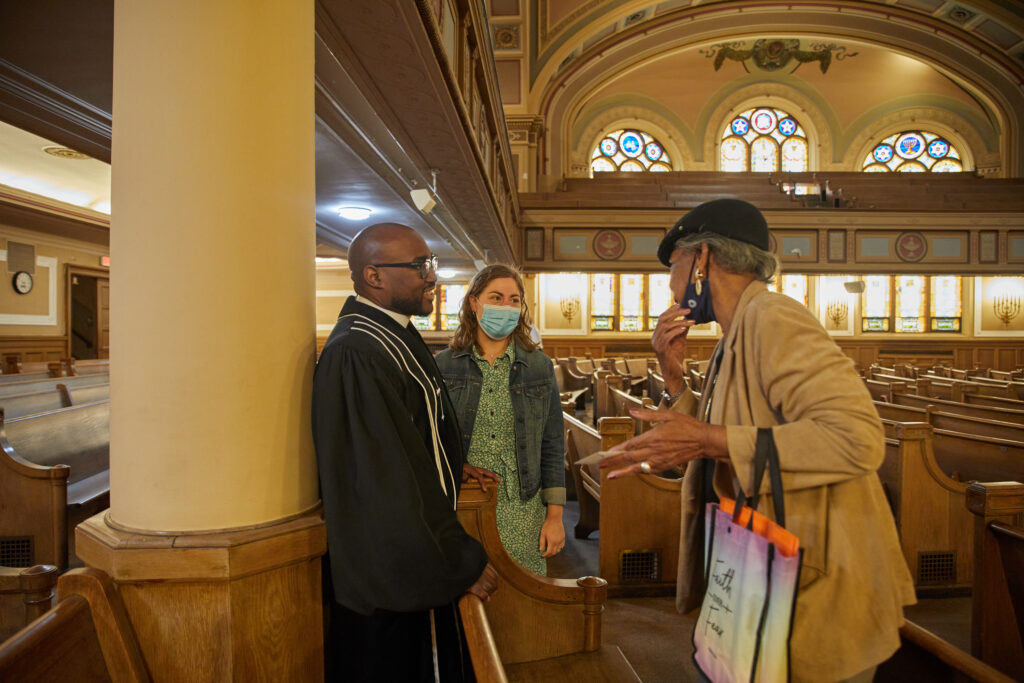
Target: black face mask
(701,310)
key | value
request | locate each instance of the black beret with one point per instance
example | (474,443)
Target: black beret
(732,218)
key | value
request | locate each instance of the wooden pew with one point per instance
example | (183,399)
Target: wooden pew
(54,473)
(997,618)
(568,388)
(655,385)
(928,505)
(923,656)
(945,420)
(623,402)
(966,409)
(637,517)
(20,405)
(26,593)
(86,637)
(48,384)
(533,628)
(604,382)
(993,401)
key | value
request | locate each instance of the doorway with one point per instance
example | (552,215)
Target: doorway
(89,324)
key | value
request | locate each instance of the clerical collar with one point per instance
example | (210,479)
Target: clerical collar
(402,320)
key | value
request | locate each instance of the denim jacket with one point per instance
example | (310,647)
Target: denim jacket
(540,436)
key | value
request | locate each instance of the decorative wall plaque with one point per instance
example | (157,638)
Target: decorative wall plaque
(911,247)
(609,244)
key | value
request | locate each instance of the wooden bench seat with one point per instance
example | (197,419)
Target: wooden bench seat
(944,420)
(20,405)
(966,409)
(534,628)
(997,618)
(48,384)
(55,473)
(86,637)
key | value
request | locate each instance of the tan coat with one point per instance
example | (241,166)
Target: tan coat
(780,369)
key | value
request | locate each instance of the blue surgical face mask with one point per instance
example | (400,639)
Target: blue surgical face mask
(499,322)
(701,310)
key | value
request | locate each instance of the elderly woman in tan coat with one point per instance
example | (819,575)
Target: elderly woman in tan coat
(775,366)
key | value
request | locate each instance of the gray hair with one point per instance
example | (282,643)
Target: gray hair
(733,255)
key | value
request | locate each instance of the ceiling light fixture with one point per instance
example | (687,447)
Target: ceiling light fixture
(354,213)
(447,273)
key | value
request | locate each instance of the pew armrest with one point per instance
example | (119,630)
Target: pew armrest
(483,651)
(90,489)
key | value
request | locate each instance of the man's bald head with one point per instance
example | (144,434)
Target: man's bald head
(382,262)
(382,243)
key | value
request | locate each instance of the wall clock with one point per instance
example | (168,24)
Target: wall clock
(22,282)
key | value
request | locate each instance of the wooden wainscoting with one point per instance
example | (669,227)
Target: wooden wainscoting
(35,349)
(1000,353)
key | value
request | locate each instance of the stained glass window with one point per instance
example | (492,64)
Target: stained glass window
(763,139)
(629,150)
(910,303)
(877,303)
(631,303)
(451,303)
(795,287)
(602,301)
(946,307)
(913,151)
(659,298)
(423,322)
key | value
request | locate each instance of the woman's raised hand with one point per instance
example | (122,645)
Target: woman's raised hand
(677,439)
(669,343)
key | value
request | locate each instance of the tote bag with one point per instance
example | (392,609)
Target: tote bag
(752,568)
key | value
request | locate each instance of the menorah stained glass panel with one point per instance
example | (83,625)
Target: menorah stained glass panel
(629,150)
(913,151)
(763,139)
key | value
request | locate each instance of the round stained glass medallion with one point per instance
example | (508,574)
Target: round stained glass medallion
(938,149)
(763,120)
(909,145)
(787,126)
(653,151)
(608,147)
(740,126)
(883,153)
(631,144)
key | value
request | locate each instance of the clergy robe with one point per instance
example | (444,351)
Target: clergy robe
(390,459)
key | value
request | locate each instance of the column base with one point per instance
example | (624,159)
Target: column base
(237,605)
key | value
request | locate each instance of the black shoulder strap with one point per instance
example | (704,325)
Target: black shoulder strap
(766,456)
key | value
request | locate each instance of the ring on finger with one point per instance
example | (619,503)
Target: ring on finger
(645,467)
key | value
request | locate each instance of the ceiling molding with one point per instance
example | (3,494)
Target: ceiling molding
(32,104)
(52,218)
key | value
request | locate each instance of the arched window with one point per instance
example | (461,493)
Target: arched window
(629,150)
(764,139)
(913,151)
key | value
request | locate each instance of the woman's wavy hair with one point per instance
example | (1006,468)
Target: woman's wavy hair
(465,335)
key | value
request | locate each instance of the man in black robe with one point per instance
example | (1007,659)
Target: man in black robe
(390,459)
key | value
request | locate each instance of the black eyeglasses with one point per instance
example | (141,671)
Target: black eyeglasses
(424,265)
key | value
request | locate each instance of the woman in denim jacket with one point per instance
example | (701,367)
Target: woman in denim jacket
(504,392)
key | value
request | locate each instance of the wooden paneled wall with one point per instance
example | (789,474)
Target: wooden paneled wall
(997,353)
(35,349)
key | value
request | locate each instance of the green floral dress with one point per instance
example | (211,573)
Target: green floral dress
(493,447)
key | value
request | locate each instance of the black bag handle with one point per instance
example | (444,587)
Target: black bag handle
(766,456)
